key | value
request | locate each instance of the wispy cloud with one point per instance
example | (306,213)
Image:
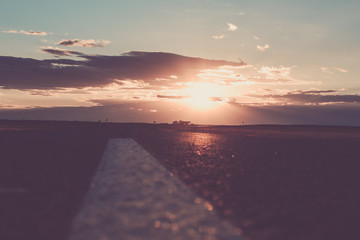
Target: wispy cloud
(224,75)
(337,68)
(249,75)
(31,32)
(325,70)
(83,43)
(340,69)
(276,73)
(217,37)
(60,52)
(10,31)
(262,48)
(133,84)
(232,27)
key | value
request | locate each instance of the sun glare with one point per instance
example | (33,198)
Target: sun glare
(202,95)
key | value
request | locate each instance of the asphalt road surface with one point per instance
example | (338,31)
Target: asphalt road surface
(272,182)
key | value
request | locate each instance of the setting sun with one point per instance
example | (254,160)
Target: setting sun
(202,95)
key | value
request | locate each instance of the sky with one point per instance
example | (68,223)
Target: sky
(222,62)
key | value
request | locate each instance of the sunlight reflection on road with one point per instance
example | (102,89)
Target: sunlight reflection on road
(200,142)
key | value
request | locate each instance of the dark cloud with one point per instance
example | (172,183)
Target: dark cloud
(317,91)
(61,52)
(68,42)
(346,114)
(40,93)
(34,33)
(315,97)
(27,73)
(122,111)
(100,70)
(171,97)
(83,43)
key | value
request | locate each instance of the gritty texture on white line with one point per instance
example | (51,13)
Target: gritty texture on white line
(133,197)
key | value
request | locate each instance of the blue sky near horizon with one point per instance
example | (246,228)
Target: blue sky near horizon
(297,52)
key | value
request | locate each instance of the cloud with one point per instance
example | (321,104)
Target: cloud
(31,32)
(300,114)
(101,70)
(60,52)
(340,69)
(41,93)
(64,65)
(122,111)
(171,96)
(133,84)
(256,38)
(276,73)
(325,70)
(83,43)
(318,91)
(248,75)
(262,48)
(224,75)
(217,37)
(10,31)
(314,97)
(216,99)
(337,68)
(232,27)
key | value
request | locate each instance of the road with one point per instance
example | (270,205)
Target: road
(272,182)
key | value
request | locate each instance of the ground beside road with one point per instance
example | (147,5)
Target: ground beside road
(274,182)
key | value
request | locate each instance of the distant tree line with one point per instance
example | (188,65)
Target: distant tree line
(182,123)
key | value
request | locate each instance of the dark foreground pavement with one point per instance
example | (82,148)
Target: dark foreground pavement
(274,182)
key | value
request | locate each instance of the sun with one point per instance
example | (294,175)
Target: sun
(202,95)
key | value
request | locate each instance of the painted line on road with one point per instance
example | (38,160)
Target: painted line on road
(134,197)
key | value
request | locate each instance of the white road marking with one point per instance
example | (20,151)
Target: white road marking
(134,197)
